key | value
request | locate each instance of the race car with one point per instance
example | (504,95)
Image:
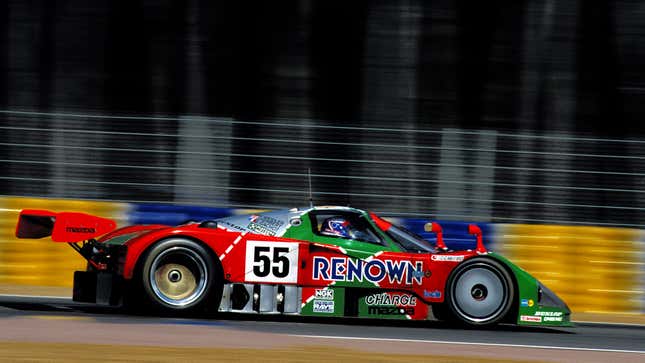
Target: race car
(323,261)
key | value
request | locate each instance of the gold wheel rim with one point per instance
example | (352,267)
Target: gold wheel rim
(175,281)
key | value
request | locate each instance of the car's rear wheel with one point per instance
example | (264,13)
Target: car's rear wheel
(480,292)
(179,276)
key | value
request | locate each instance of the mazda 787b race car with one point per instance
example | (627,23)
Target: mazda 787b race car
(314,261)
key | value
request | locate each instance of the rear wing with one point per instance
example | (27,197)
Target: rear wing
(63,226)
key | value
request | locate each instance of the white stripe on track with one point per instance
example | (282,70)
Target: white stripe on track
(608,323)
(469,343)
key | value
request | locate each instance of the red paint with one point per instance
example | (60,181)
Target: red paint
(474,229)
(230,247)
(435,272)
(62,227)
(131,229)
(436,228)
(380,222)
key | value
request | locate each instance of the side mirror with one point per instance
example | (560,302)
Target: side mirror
(436,228)
(433,227)
(474,229)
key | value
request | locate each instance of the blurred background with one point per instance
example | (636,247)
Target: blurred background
(523,114)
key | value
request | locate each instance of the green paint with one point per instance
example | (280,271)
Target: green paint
(528,292)
(326,305)
(353,248)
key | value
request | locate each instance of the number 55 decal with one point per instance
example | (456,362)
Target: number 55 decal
(271,262)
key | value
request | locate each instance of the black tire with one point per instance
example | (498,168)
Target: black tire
(479,292)
(442,312)
(180,277)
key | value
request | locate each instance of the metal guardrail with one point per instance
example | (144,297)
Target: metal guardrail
(448,173)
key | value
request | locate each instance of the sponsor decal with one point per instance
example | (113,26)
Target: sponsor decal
(527,302)
(389,310)
(448,258)
(80,230)
(532,319)
(375,271)
(232,225)
(264,225)
(324,294)
(389,300)
(323,306)
(552,318)
(548,313)
(436,294)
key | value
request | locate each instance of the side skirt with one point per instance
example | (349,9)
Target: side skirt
(263,299)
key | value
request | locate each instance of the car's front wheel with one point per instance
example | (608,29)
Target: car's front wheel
(479,292)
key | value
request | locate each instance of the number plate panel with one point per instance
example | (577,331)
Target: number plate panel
(268,261)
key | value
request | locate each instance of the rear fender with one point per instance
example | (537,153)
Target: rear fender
(216,241)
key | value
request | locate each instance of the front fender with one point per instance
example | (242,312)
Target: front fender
(536,304)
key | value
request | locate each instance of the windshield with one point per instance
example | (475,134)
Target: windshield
(410,241)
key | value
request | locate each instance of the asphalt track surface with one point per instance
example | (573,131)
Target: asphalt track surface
(626,341)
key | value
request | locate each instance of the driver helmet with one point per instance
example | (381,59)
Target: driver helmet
(336,226)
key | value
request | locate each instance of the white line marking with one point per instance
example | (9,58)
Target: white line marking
(228,249)
(308,300)
(469,343)
(608,323)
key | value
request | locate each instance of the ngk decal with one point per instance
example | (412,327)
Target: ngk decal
(324,294)
(375,271)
